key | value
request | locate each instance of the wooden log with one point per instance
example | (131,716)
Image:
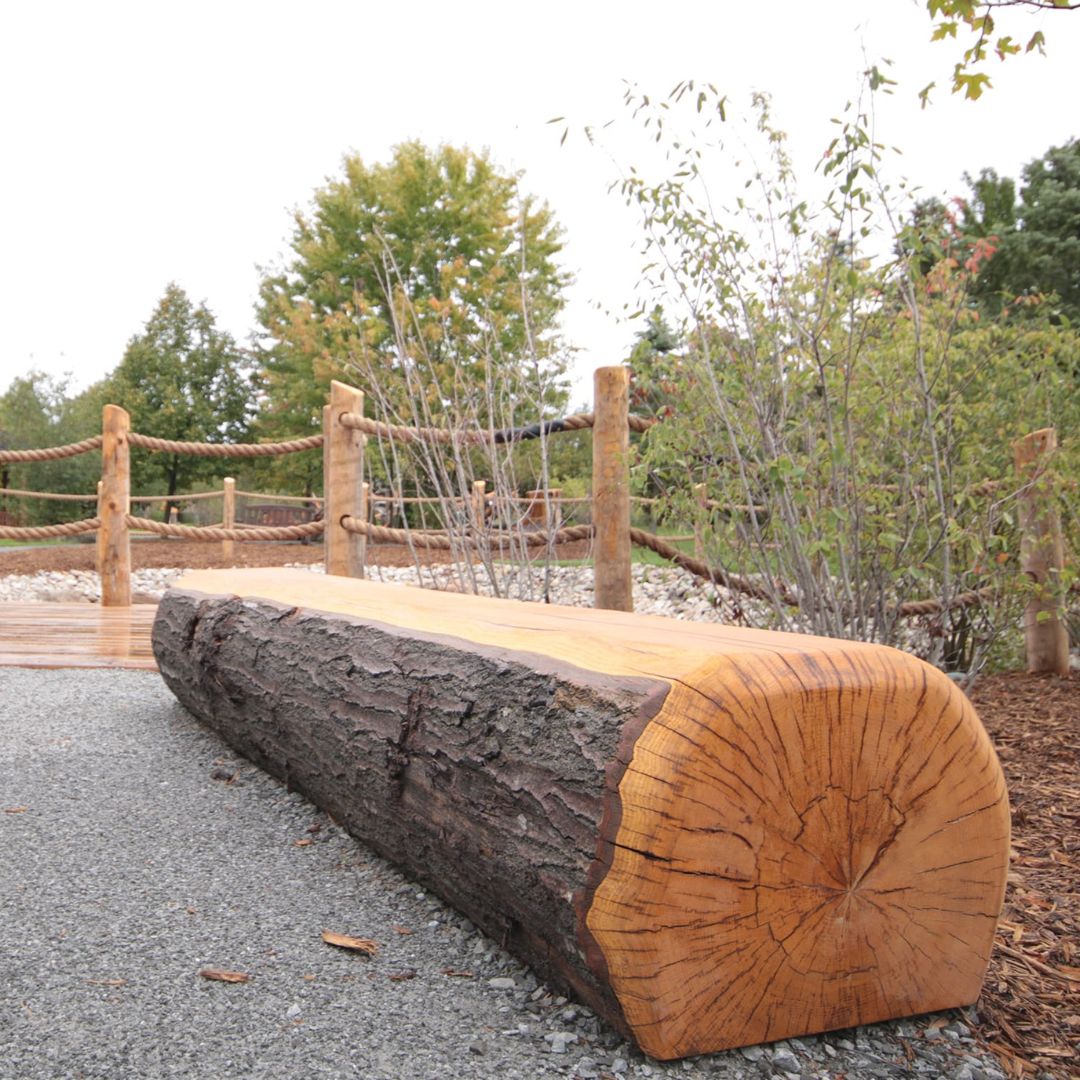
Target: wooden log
(114,504)
(611,488)
(712,836)
(1042,554)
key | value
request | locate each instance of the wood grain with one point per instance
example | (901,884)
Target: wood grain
(611,488)
(343,460)
(114,504)
(63,635)
(713,836)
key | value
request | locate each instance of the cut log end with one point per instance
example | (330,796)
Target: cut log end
(805,844)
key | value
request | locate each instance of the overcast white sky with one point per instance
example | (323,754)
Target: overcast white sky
(147,142)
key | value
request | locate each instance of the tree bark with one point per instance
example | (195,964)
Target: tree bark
(712,836)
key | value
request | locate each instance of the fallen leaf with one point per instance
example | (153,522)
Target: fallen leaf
(16,809)
(301,843)
(191,910)
(403,930)
(309,978)
(215,975)
(107,982)
(457,974)
(355,944)
(401,976)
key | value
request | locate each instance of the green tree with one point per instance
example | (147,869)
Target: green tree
(654,364)
(1031,245)
(841,409)
(182,378)
(1043,253)
(432,263)
(35,411)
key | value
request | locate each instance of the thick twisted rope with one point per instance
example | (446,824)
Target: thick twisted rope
(307,500)
(52,453)
(46,532)
(214,532)
(936,607)
(403,434)
(443,541)
(231,450)
(178,498)
(734,582)
(716,574)
(55,495)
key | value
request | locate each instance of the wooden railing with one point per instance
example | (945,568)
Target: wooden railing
(347,523)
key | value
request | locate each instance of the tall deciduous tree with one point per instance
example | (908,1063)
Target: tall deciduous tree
(35,411)
(182,378)
(433,259)
(1032,245)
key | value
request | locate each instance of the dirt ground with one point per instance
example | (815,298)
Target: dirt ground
(200,556)
(1030,1006)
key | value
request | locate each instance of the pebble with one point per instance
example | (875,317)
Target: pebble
(560,1040)
(786,1061)
(502,984)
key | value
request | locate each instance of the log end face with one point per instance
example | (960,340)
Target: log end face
(806,842)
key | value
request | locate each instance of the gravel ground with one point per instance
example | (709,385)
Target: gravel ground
(136,850)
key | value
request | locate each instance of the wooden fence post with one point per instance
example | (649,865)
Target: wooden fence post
(114,505)
(611,489)
(543,506)
(1042,554)
(228,516)
(343,464)
(479,504)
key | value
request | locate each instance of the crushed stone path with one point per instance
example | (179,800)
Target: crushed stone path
(136,850)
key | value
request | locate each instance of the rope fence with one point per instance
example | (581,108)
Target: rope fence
(225,450)
(306,500)
(57,496)
(214,532)
(48,532)
(346,506)
(498,436)
(52,453)
(444,540)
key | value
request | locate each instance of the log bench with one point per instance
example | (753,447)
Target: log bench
(712,836)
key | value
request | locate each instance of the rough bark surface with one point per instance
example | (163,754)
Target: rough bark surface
(713,836)
(481,776)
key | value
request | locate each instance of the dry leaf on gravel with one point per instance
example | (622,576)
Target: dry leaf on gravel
(353,944)
(454,974)
(217,975)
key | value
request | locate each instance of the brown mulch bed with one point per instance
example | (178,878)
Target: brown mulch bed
(1030,1005)
(193,555)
